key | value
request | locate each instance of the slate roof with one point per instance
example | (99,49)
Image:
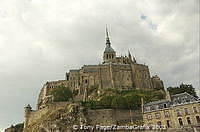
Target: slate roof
(109,49)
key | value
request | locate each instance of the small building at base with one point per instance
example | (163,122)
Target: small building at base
(176,111)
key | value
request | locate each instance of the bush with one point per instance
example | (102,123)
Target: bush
(62,93)
(106,101)
(133,101)
(119,102)
(92,89)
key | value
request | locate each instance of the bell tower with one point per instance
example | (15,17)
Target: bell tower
(109,54)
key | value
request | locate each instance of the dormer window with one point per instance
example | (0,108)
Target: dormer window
(165,105)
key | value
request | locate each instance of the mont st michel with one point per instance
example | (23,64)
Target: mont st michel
(117,95)
(99,65)
(93,94)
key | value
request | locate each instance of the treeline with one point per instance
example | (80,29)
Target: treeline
(182,88)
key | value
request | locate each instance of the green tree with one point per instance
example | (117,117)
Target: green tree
(133,101)
(62,93)
(119,102)
(183,88)
(106,101)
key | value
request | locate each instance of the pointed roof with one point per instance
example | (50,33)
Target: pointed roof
(108,43)
(107,37)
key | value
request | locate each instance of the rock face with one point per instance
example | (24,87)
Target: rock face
(63,115)
(58,116)
(15,128)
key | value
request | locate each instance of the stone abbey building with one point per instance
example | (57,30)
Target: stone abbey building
(121,72)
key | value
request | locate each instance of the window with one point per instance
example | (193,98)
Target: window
(186,111)
(165,105)
(195,109)
(149,117)
(157,115)
(159,123)
(168,123)
(166,113)
(86,81)
(198,119)
(147,108)
(188,120)
(180,122)
(178,112)
(67,77)
(157,107)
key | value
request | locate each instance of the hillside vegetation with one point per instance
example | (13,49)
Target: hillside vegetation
(114,98)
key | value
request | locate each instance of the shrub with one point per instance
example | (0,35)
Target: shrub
(119,102)
(62,93)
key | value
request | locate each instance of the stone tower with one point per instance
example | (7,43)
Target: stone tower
(27,112)
(109,54)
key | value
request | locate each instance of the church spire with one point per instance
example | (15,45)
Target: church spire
(107,37)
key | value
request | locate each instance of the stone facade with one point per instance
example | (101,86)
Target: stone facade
(122,72)
(177,111)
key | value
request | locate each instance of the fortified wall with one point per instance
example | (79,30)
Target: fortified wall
(64,115)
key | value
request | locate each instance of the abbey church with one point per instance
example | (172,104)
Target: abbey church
(121,72)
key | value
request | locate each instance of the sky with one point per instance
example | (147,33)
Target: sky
(40,40)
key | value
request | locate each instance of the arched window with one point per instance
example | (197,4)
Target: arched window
(188,121)
(180,122)
(198,119)
(168,123)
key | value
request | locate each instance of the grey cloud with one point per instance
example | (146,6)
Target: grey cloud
(41,40)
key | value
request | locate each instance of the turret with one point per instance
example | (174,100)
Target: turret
(27,109)
(27,112)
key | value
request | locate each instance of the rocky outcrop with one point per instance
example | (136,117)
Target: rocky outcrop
(63,116)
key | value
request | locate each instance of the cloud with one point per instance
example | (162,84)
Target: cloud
(41,40)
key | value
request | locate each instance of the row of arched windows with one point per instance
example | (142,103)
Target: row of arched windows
(180,121)
(109,56)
